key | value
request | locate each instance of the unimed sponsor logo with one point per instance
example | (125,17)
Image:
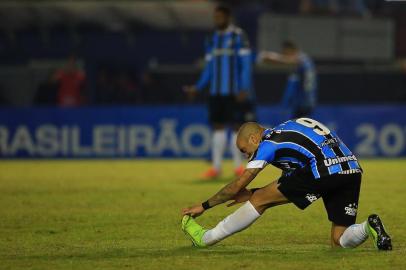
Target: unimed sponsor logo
(333,161)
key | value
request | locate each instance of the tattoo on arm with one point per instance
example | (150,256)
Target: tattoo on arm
(231,189)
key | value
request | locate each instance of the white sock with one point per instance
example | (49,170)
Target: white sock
(237,221)
(237,156)
(218,147)
(354,235)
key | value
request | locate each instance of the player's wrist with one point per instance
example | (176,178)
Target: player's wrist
(206,205)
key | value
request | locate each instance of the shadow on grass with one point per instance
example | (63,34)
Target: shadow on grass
(223,251)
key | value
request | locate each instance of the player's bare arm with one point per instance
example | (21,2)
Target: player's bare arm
(227,193)
(277,58)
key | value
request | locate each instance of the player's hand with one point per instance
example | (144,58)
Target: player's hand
(190,91)
(242,96)
(242,196)
(193,211)
(265,56)
(261,56)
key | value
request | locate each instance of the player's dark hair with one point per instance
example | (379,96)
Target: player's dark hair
(223,8)
(289,44)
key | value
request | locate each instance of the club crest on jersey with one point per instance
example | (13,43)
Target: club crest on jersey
(311,197)
(269,135)
(351,209)
(333,161)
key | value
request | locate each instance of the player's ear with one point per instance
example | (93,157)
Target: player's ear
(253,140)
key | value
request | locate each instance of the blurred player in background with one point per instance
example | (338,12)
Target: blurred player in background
(301,88)
(228,74)
(71,84)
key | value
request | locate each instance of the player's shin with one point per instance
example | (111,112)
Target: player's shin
(218,147)
(242,218)
(354,235)
(237,156)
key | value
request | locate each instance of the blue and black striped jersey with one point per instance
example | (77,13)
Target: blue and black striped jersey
(228,66)
(301,88)
(305,144)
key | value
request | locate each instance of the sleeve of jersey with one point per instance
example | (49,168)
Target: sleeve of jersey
(290,93)
(206,74)
(309,79)
(264,156)
(245,57)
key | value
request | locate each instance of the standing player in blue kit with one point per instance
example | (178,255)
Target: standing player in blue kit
(228,74)
(300,94)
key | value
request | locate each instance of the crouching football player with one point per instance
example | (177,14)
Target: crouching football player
(315,164)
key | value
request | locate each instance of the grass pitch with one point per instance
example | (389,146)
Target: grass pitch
(116,214)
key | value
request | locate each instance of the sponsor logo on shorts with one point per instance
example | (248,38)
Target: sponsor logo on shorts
(311,197)
(351,209)
(333,161)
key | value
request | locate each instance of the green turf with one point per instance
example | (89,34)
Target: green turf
(126,214)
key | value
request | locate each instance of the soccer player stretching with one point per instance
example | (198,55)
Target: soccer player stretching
(315,163)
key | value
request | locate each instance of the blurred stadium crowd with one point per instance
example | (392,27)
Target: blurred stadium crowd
(141,52)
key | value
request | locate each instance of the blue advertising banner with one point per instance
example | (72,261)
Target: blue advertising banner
(176,131)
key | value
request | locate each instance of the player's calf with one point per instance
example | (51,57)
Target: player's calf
(336,233)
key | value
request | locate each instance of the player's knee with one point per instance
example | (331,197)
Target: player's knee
(259,201)
(264,198)
(260,207)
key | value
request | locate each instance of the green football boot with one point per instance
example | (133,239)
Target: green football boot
(376,231)
(193,230)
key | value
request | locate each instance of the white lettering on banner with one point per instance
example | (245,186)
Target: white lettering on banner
(104,140)
(21,141)
(389,140)
(77,148)
(398,140)
(3,140)
(196,130)
(140,136)
(192,140)
(167,138)
(64,144)
(366,147)
(122,140)
(47,140)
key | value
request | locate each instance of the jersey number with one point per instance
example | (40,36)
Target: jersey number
(317,127)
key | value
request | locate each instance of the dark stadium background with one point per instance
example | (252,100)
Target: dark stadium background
(134,54)
(131,55)
(155,47)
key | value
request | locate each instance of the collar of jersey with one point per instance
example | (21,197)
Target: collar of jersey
(267,134)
